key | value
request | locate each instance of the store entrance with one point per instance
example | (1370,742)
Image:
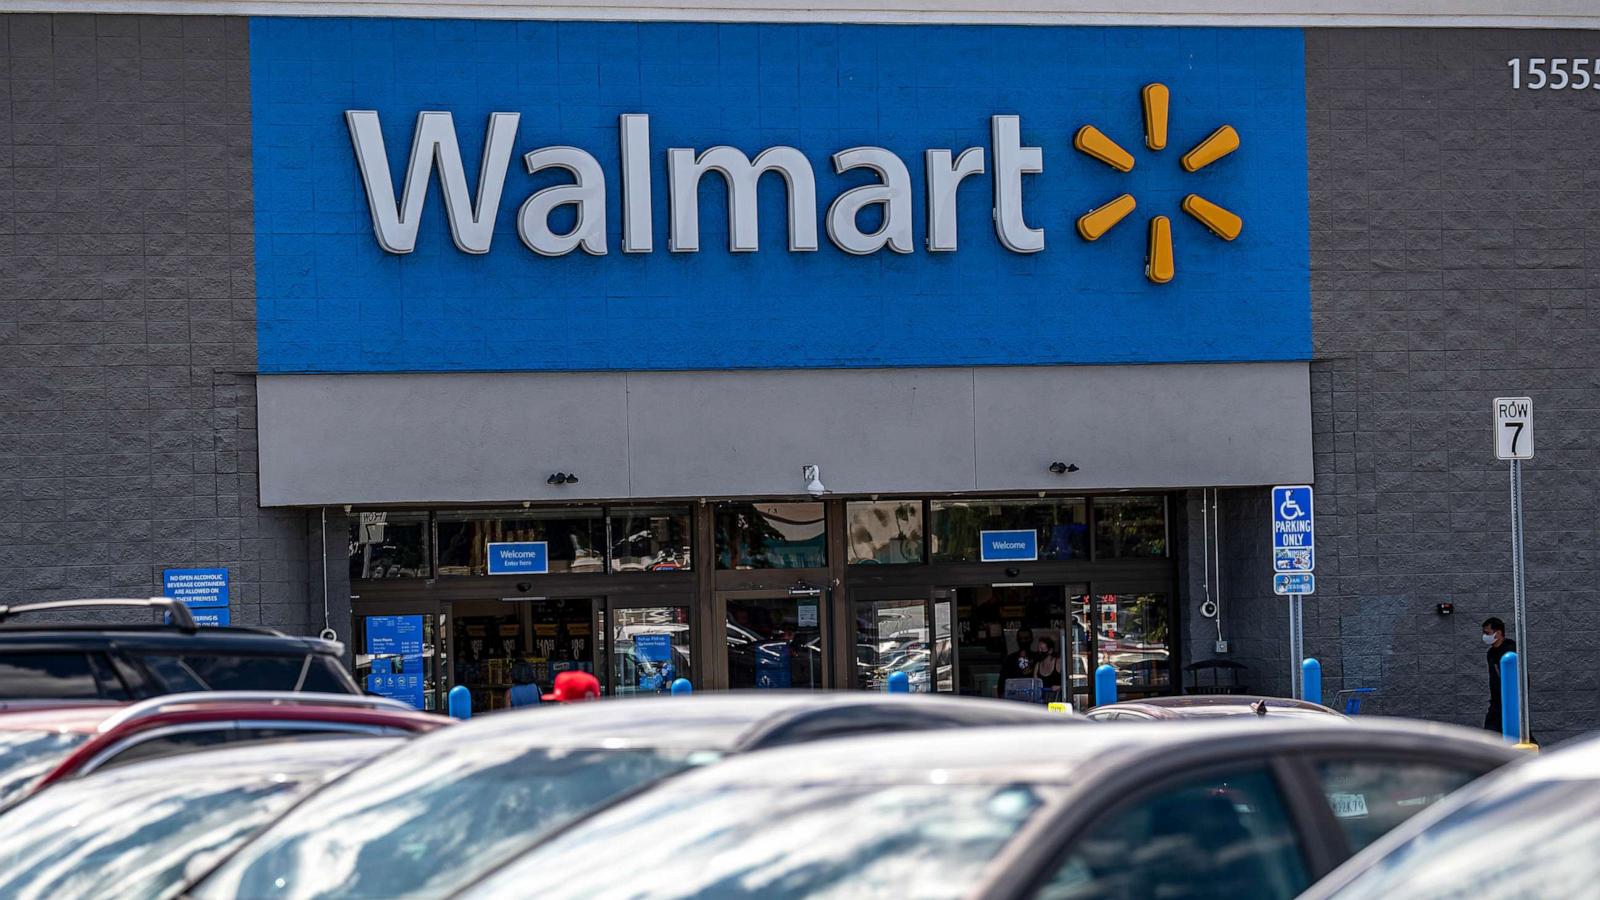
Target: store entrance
(634,647)
(1041,642)
(1023,642)
(497,645)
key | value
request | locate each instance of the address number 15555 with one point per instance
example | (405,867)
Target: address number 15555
(1557,73)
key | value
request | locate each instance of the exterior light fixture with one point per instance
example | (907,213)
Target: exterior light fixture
(813,477)
(1061,468)
(562,478)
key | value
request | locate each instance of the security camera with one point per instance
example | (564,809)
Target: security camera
(813,476)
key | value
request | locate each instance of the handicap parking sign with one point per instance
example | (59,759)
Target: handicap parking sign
(1293,529)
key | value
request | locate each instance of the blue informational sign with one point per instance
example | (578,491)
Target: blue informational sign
(772,665)
(204,588)
(1286,583)
(331,298)
(520,558)
(212,617)
(395,643)
(1293,529)
(1019,545)
(653,654)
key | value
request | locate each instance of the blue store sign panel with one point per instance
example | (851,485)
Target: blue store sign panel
(929,202)
(519,558)
(1020,545)
(1293,530)
(395,643)
(204,591)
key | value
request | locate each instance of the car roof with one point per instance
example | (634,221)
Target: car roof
(153,637)
(67,719)
(216,706)
(1220,705)
(1067,755)
(728,721)
(269,760)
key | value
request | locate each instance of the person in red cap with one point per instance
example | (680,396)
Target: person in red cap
(572,687)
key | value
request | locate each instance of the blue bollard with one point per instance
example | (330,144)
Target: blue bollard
(1105,685)
(1510,699)
(681,687)
(899,683)
(1311,680)
(460,702)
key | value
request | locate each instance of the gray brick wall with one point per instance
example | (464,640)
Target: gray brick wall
(1455,234)
(127,329)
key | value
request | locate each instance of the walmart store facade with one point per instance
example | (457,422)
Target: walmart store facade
(794,350)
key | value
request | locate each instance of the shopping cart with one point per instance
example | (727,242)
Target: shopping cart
(1351,699)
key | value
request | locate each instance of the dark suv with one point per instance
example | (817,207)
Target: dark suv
(97,661)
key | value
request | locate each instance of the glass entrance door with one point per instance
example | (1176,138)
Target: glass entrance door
(649,649)
(1023,641)
(1132,634)
(911,636)
(774,640)
(398,657)
(498,645)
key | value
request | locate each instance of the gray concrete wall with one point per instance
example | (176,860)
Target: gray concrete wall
(441,438)
(127,322)
(1455,233)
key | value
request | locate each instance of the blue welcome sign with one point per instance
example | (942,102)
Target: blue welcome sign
(519,558)
(901,195)
(1016,545)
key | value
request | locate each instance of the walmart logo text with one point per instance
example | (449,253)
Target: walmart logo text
(472,213)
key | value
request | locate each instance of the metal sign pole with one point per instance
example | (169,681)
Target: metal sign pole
(1519,599)
(1294,646)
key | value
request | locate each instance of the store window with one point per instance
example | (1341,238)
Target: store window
(649,538)
(1063,526)
(1130,527)
(389,545)
(887,532)
(1134,636)
(574,538)
(771,536)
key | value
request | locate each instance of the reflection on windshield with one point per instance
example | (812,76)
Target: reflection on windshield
(107,836)
(776,842)
(1529,840)
(26,756)
(430,820)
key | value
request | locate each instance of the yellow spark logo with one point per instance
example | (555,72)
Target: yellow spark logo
(1096,222)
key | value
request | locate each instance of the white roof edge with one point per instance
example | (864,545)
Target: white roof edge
(1578,14)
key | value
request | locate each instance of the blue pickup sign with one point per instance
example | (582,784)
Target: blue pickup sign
(519,558)
(1019,545)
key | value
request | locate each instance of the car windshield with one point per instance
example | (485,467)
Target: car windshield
(26,756)
(778,841)
(130,834)
(1527,839)
(432,818)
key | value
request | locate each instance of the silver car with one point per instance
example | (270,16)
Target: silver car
(134,832)
(1530,831)
(1170,810)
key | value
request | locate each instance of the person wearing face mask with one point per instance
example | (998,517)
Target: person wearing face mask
(1494,637)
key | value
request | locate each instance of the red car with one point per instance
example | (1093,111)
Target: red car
(42,746)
